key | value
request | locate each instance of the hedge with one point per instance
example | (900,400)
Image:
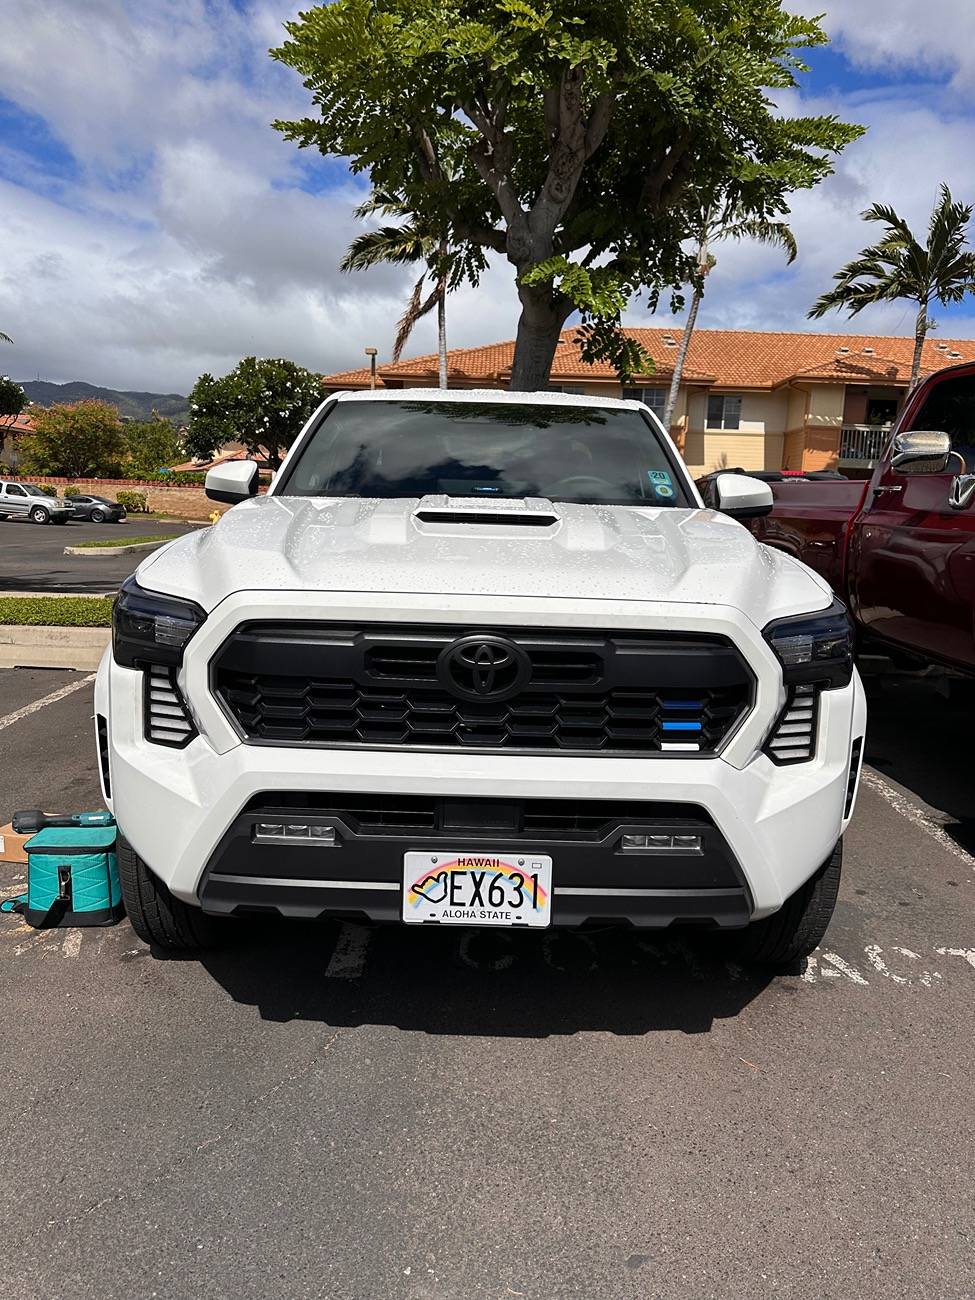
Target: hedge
(57,611)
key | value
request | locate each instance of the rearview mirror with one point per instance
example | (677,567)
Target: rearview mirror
(234,481)
(742,497)
(921,451)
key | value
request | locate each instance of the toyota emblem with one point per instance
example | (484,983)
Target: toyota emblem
(483,668)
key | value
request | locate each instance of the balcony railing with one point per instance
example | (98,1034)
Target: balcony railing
(862,445)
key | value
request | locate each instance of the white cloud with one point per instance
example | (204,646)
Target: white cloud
(934,39)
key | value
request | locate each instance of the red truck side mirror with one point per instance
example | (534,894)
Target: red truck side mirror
(920,451)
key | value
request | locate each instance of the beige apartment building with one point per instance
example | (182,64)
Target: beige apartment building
(751,399)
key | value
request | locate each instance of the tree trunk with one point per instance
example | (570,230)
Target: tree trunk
(539,326)
(920,333)
(442,325)
(685,343)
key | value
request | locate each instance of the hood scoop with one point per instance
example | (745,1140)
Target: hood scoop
(529,512)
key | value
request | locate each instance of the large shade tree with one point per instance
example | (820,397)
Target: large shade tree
(565,137)
(900,267)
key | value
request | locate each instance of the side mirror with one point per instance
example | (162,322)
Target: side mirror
(920,451)
(232,482)
(742,497)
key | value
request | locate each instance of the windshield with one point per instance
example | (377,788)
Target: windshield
(33,491)
(486,449)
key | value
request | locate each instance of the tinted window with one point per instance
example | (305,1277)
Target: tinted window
(950,407)
(15,490)
(486,449)
(33,491)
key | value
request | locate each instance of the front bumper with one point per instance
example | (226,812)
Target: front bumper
(777,825)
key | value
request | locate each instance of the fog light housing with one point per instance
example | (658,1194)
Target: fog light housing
(282,832)
(660,843)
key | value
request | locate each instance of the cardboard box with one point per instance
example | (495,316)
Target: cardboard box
(12,845)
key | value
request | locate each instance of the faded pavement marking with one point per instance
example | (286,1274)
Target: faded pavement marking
(45,700)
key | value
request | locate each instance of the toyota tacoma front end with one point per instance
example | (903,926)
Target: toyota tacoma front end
(481,659)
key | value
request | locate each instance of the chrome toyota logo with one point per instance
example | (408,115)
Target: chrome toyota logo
(483,668)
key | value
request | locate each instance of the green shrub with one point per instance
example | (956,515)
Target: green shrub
(136,502)
(57,611)
(72,490)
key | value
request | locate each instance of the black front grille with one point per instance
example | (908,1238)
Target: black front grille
(386,815)
(384,686)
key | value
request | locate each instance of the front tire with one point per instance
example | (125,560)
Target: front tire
(39,515)
(157,916)
(797,929)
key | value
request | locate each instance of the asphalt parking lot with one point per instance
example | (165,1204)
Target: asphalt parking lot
(32,555)
(350,1114)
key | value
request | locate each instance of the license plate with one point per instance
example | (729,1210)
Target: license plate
(507,889)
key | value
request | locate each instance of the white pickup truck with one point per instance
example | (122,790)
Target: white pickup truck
(481,658)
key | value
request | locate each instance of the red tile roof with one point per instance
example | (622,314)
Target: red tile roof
(722,358)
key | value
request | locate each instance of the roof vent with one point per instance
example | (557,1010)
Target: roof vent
(843,351)
(942,347)
(869,352)
(669,341)
(954,354)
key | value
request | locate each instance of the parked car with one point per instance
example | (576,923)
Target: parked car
(99,510)
(899,548)
(481,659)
(26,499)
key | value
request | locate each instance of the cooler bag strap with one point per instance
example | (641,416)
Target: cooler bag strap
(16,904)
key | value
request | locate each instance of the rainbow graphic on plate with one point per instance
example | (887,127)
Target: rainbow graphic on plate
(433,884)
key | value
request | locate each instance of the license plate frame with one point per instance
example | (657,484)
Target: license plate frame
(461,887)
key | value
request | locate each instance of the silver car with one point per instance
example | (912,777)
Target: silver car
(26,499)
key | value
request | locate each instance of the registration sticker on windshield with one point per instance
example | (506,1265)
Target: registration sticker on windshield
(508,889)
(662,483)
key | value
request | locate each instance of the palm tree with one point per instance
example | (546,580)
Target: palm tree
(899,266)
(719,222)
(5,338)
(414,240)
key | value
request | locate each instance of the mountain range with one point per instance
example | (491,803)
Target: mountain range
(137,406)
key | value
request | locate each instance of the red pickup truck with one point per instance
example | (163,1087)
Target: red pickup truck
(899,548)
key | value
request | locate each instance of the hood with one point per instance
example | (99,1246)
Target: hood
(581,552)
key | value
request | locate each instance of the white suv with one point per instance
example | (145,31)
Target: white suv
(31,502)
(481,658)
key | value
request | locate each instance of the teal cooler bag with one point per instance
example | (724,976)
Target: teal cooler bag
(72,877)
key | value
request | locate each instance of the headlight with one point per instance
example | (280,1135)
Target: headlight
(149,628)
(815,649)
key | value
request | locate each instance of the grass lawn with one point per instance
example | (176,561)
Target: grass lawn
(122,540)
(57,611)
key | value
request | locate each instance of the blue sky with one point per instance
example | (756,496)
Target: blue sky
(155,226)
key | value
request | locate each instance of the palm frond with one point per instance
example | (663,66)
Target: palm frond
(416,309)
(5,338)
(776,233)
(400,245)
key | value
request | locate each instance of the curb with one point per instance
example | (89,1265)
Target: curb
(26,646)
(92,551)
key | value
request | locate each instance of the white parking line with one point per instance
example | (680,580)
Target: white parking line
(45,700)
(914,813)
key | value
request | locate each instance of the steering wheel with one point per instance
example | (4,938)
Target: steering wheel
(573,482)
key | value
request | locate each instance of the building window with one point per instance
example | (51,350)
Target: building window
(724,411)
(566,388)
(655,398)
